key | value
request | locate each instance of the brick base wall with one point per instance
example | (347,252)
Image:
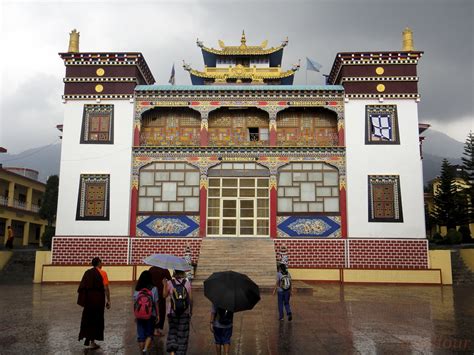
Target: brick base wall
(313,253)
(142,247)
(302,253)
(81,250)
(388,254)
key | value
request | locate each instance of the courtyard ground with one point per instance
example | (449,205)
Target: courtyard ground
(335,319)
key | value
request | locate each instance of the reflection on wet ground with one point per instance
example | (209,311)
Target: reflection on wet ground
(336,319)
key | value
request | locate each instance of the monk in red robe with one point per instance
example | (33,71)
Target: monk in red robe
(94,296)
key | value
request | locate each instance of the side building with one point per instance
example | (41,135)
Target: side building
(20,201)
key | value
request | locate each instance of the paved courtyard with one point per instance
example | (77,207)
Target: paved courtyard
(336,319)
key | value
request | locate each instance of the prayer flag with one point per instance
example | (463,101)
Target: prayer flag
(312,65)
(171,81)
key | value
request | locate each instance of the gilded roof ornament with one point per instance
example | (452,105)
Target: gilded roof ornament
(243,48)
(243,40)
(73,42)
(408,40)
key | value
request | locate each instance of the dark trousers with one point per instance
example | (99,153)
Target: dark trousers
(161,313)
(9,243)
(284,299)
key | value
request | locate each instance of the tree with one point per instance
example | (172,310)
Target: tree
(468,174)
(49,206)
(444,211)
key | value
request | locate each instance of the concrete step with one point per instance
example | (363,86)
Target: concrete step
(254,257)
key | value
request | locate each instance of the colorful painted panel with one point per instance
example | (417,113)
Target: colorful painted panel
(309,226)
(170,127)
(313,127)
(168,226)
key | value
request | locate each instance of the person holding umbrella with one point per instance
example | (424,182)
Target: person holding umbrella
(221,326)
(229,292)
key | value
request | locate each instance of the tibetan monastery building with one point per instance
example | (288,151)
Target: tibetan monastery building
(242,162)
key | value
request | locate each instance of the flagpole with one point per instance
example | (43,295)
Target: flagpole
(306,74)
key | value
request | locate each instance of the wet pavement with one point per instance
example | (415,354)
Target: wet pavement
(336,319)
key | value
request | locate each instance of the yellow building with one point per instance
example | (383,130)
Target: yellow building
(460,185)
(20,200)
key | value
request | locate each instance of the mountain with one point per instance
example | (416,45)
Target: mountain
(44,159)
(436,147)
(439,144)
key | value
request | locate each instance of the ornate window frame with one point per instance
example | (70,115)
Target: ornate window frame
(82,201)
(96,110)
(395,200)
(387,111)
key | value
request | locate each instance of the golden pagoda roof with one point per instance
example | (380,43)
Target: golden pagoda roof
(243,49)
(241,72)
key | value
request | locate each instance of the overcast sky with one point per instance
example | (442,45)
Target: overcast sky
(33,32)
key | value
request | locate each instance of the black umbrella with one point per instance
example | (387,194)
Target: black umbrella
(232,291)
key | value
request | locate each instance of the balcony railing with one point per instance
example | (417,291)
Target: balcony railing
(19,204)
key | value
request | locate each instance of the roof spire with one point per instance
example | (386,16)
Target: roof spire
(407,40)
(73,42)
(243,40)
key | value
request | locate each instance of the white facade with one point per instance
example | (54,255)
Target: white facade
(114,159)
(401,159)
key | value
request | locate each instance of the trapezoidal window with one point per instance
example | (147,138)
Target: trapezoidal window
(385,202)
(97,124)
(381,124)
(93,201)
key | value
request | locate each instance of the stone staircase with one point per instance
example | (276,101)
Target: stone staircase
(20,268)
(254,257)
(461,273)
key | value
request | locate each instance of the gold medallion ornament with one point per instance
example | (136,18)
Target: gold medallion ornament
(379,70)
(380,87)
(100,72)
(99,88)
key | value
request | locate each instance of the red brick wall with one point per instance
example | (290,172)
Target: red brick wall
(81,250)
(388,254)
(313,253)
(302,253)
(142,247)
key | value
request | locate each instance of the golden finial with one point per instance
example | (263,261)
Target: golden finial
(73,42)
(243,40)
(407,40)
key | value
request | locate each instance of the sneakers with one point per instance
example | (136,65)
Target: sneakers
(280,318)
(290,317)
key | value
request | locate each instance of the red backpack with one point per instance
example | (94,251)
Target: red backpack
(143,307)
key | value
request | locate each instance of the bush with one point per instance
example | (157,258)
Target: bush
(438,238)
(466,234)
(47,236)
(453,236)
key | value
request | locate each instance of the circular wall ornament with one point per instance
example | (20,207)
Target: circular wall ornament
(380,87)
(379,70)
(100,88)
(100,72)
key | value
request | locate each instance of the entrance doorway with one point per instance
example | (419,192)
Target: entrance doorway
(238,207)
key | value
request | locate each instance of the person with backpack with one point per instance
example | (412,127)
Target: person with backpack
(283,286)
(179,312)
(159,274)
(145,306)
(221,326)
